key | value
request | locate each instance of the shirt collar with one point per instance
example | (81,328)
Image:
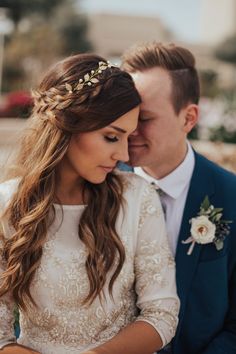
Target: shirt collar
(174,183)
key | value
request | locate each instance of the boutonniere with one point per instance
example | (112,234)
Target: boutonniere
(208,227)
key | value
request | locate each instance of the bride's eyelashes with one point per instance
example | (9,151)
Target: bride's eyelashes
(111,138)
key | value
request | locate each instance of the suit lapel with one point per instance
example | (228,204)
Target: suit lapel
(200,186)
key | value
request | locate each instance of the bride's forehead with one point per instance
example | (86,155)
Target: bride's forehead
(127,121)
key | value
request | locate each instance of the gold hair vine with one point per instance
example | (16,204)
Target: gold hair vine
(89,78)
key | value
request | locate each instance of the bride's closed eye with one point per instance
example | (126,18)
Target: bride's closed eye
(111,138)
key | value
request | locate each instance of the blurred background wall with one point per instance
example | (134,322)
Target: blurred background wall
(34,34)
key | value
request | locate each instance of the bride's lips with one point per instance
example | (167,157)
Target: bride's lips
(107,168)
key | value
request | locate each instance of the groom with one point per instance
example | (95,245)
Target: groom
(167,80)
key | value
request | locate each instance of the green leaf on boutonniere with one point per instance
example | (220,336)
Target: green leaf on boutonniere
(227,221)
(206,203)
(218,217)
(216,211)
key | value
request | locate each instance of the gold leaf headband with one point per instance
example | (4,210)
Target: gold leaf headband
(89,78)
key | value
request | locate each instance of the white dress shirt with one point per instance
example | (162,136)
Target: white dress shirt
(175,187)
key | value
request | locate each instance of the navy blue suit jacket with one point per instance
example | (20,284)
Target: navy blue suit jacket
(206,279)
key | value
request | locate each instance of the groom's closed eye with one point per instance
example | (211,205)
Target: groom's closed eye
(144,119)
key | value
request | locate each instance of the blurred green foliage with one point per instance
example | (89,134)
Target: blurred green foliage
(209,83)
(193,135)
(229,97)
(222,134)
(226,51)
(44,32)
(226,132)
(19,9)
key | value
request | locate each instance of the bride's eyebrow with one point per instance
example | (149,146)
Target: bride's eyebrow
(118,129)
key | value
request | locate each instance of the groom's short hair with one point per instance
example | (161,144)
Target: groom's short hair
(179,62)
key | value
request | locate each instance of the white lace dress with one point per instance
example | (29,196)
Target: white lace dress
(144,291)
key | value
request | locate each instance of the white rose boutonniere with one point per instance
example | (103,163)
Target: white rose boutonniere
(202,230)
(208,227)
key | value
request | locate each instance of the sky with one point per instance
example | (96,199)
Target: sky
(180,16)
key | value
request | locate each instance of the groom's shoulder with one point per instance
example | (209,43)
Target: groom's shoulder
(220,174)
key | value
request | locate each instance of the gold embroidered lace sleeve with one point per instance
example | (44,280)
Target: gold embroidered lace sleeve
(155,269)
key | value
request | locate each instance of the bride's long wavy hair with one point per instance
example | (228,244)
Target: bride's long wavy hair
(59,111)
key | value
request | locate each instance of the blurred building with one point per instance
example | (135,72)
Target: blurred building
(206,60)
(111,34)
(218,20)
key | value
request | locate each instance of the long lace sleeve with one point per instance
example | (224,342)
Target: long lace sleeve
(155,270)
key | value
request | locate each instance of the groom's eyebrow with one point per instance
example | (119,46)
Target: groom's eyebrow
(118,129)
(145,112)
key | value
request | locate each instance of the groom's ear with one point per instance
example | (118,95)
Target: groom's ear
(191,117)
